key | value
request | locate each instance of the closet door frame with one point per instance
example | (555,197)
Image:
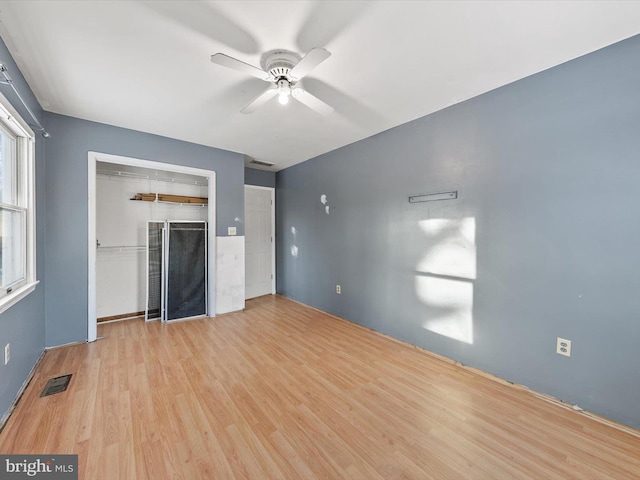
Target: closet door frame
(93,158)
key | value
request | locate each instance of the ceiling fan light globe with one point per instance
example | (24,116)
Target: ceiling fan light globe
(284,87)
(283,99)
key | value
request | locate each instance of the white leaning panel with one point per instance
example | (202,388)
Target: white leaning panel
(229,274)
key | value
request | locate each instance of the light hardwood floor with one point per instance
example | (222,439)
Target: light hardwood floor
(282,391)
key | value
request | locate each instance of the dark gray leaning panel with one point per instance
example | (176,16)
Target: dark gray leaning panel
(186,270)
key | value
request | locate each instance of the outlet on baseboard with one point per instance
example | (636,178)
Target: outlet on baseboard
(563,347)
(338,289)
(7,353)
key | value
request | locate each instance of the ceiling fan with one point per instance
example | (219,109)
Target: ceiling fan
(283,69)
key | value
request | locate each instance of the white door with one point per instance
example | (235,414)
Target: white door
(259,241)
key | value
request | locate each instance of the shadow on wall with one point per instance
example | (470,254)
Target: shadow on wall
(445,276)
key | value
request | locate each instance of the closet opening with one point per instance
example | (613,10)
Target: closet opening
(151,241)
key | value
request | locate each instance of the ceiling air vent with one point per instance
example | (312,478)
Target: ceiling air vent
(262,164)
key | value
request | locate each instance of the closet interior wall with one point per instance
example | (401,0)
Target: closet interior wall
(122,231)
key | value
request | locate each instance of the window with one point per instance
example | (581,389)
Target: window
(17,207)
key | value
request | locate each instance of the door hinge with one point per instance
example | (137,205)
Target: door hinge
(272,276)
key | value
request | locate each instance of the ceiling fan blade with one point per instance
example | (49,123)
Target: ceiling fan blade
(260,100)
(310,61)
(235,64)
(311,101)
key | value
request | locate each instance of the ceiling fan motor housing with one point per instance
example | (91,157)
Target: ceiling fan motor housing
(279,63)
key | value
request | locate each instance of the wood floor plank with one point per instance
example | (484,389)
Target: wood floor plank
(282,391)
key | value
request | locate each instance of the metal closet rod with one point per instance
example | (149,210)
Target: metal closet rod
(9,81)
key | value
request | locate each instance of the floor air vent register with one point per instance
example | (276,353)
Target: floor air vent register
(56,385)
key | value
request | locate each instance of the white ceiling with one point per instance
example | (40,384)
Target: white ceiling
(146,65)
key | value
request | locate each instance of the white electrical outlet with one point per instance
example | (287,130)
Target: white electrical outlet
(231,231)
(7,353)
(338,290)
(563,347)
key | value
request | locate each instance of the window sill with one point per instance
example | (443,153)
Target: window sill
(17,295)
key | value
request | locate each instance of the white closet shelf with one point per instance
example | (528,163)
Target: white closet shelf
(183,204)
(132,175)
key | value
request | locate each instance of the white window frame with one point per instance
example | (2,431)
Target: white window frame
(11,120)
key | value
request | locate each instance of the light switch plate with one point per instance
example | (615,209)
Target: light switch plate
(231,230)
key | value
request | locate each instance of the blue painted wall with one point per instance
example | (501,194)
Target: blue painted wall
(548,171)
(67,211)
(261,178)
(23,325)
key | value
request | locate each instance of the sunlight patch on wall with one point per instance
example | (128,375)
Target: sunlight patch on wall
(453,300)
(323,201)
(452,248)
(294,248)
(445,274)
